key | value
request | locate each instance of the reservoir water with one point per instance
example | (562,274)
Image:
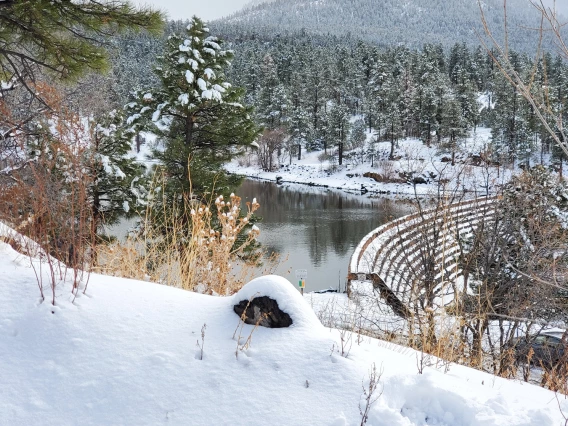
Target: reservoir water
(316,229)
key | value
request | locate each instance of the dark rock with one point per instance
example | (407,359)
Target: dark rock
(475,159)
(329,290)
(263,311)
(377,177)
(279,180)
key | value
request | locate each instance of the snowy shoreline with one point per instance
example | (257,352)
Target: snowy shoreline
(427,165)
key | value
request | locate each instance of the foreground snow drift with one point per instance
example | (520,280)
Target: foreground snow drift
(126,353)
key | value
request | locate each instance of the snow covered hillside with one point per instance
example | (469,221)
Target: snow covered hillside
(127,352)
(390,22)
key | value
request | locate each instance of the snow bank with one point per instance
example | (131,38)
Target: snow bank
(126,352)
(27,245)
(288,298)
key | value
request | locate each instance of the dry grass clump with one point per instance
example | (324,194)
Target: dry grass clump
(205,250)
(208,258)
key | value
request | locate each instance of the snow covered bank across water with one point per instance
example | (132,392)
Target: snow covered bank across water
(413,158)
(127,353)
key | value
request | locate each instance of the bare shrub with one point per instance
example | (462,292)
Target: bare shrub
(246,160)
(386,168)
(206,261)
(269,144)
(346,338)
(371,393)
(47,197)
(202,344)
(322,158)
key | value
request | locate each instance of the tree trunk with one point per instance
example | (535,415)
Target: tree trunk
(452,144)
(391,154)
(95,222)
(189,124)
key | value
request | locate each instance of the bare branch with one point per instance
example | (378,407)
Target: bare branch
(503,62)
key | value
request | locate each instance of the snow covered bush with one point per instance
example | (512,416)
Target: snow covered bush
(116,190)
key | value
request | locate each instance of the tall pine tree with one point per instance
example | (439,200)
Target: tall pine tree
(198,116)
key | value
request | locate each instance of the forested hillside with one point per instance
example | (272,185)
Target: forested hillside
(391,22)
(312,85)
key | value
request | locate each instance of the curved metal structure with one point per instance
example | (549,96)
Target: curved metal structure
(413,261)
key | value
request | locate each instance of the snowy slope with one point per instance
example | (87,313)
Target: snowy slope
(392,22)
(125,354)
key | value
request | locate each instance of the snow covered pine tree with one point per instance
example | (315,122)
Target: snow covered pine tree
(198,117)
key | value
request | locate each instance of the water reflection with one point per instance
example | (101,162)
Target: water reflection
(316,228)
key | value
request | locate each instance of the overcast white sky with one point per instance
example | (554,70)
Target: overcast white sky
(205,9)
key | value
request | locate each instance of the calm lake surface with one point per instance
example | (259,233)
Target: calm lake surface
(316,229)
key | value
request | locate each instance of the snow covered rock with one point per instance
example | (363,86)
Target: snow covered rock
(263,311)
(269,292)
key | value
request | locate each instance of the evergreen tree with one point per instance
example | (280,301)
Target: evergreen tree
(373,95)
(198,116)
(454,125)
(512,124)
(558,101)
(60,37)
(299,129)
(300,123)
(425,102)
(466,97)
(357,136)
(272,104)
(115,189)
(316,94)
(504,119)
(338,128)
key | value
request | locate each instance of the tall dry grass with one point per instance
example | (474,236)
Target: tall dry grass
(198,246)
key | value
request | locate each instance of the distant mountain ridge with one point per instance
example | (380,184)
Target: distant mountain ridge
(393,22)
